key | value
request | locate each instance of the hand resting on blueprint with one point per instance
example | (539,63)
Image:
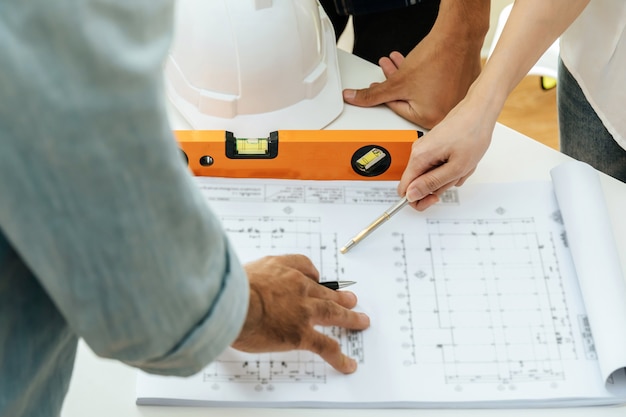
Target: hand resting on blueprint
(426,84)
(286,302)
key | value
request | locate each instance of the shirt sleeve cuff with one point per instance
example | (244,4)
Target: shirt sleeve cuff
(214,333)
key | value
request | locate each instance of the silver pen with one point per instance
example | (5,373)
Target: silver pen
(374,225)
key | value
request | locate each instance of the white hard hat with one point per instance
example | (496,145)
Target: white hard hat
(254,66)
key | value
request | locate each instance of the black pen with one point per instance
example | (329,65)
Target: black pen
(337,285)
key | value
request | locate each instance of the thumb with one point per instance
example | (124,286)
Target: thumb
(375,94)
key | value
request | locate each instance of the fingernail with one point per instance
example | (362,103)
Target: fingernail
(351,366)
(348,93)
(413,195)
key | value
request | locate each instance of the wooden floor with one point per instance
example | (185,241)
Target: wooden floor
(532,111)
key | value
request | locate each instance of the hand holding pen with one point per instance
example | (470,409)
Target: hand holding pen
(287,302)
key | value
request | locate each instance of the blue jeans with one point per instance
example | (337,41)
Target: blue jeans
(582,134)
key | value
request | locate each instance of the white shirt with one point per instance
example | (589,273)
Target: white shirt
(594,50)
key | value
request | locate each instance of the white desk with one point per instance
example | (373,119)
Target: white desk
(107,388)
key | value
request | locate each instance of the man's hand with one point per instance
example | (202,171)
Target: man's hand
(286,302)
(436,74)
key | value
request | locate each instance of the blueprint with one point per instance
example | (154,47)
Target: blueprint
(475,302)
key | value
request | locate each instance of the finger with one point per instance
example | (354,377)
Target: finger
(388,66)
(433,198)
(445,188)
(329,350)
(433,180)
(301,263)
(420,162)
(345,299)
(377,93)
(426,202)
(423,186)
(329,313)
(397,58)
(464,178)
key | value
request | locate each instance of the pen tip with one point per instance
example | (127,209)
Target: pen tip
(347,247)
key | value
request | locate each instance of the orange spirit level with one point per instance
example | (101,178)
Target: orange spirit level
(299,154)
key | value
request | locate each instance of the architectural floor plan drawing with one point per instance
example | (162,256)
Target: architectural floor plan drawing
(489,303)
(269,371)
(476,302)
(275,235)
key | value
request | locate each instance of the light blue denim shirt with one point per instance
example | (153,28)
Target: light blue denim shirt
(103,234)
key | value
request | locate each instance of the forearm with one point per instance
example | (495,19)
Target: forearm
(99,204)
(531,28)
(450,152)
(463,21)
(449,59)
